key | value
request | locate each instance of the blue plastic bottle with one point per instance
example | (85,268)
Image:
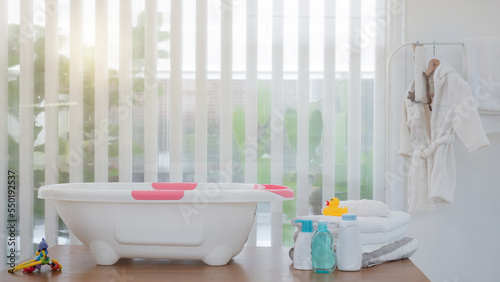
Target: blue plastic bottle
(323,255)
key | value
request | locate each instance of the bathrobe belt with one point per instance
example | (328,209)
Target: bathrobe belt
(421,152)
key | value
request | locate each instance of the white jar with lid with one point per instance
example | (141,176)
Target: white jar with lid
(348,245)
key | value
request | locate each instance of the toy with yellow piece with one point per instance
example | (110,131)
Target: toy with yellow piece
(332,208)
(41,259)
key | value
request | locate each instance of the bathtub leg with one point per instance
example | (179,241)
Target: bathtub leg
(103,253)
(220,255)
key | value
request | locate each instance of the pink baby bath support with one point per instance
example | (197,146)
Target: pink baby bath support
(208,222)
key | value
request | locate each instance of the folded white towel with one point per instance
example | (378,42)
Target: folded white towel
(366,207)
(367,224)
(420,67)
(481,71)
(382,237)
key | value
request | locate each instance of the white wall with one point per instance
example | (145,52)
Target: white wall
(461,241)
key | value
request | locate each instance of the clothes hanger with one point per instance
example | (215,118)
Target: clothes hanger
(434,63)
(431,67)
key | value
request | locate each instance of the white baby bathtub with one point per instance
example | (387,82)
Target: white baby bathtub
(208,222)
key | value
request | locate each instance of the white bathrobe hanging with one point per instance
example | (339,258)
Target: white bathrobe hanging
(427,138)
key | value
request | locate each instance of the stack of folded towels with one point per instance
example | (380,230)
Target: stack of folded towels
(381,231)
(481,71)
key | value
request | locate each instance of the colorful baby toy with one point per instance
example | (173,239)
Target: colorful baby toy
(41,259)
(332,208)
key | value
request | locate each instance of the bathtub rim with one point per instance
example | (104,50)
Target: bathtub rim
(140,192)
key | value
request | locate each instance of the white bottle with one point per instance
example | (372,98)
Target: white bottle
(302,250)
(348,244)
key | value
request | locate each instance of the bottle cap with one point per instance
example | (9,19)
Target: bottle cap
(322,225)
(349,217)
(307,225)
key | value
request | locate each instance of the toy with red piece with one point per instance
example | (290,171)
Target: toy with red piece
(55,265)
(42,258)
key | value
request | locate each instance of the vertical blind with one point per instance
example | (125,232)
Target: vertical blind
(284,92)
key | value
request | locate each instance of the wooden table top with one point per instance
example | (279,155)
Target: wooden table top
(252,264)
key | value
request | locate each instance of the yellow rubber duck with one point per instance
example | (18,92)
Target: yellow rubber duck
(332,208)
